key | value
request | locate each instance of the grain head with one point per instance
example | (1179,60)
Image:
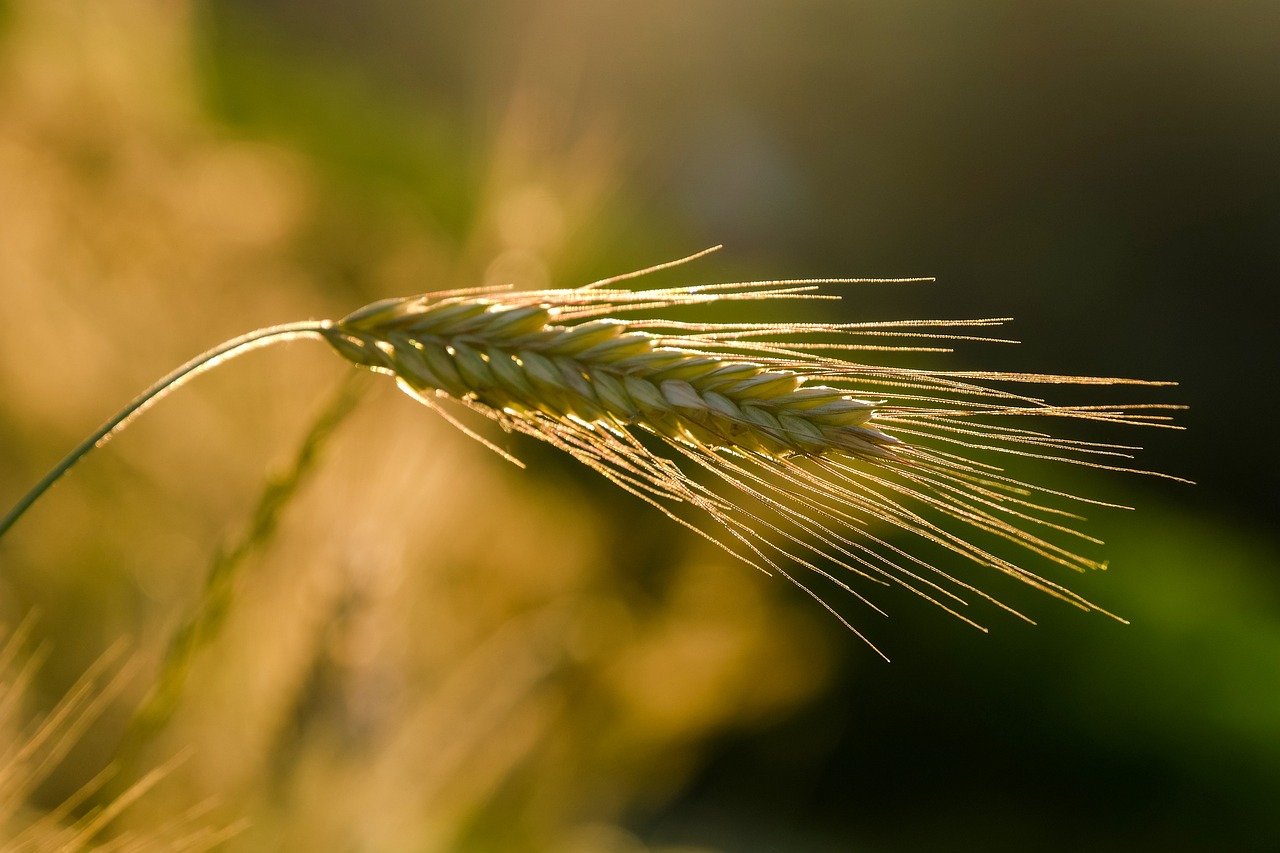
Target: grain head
(799,455)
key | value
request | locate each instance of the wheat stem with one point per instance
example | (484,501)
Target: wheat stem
(203,625)
(206,360)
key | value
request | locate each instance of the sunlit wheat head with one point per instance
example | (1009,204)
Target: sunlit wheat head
(785,444)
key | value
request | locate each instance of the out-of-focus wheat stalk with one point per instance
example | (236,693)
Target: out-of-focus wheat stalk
(202,626)
(31,751)
(798,454)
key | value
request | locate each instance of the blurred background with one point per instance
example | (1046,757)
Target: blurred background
(409,645)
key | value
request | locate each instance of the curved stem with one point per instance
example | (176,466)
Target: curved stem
(194,367)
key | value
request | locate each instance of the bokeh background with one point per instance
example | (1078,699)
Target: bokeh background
(421,648)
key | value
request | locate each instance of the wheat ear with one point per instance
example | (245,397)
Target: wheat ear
(800,455)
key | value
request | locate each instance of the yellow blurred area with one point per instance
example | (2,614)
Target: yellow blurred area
(435,651)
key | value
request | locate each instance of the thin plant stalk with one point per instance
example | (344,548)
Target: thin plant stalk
(205,622)
(171,382)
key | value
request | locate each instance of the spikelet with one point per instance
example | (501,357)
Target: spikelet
(799,455)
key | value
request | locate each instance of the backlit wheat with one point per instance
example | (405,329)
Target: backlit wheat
(798,455)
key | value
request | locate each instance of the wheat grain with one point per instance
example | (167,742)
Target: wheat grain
(508,355)
(798,454)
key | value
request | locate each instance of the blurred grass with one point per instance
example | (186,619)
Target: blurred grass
(202,626)
(378,147)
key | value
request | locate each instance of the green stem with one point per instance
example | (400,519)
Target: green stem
(118,421)
(205,622)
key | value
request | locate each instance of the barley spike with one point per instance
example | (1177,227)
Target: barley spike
(512,357)
(799,455)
